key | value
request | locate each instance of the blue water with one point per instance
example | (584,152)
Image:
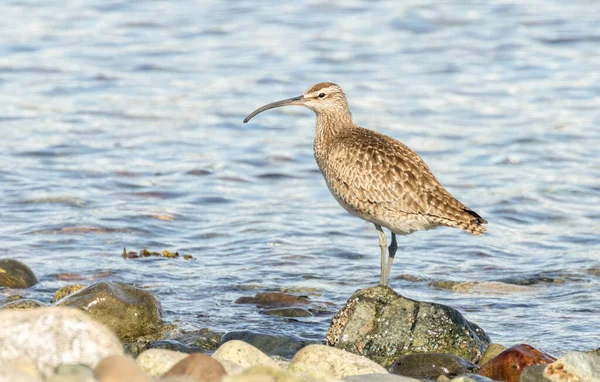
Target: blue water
(121,127)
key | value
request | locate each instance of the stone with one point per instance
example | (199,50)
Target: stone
(574,366)
(15,274)
(65,291)
(243,355)
(382,325)
(202,367)
(264,374)
(379,378)
(508,365)
(54,336)
(25,303)
(274,299)
(471,378)
(119,368)
(129,311)
(73,373)
(25,366)
(156,362)
(11,374)
(325,362)
(491,351)
(288,312)
(431,365)
(271,344)
(11,298)
(534,373)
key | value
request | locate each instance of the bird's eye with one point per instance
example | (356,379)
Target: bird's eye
(322,95)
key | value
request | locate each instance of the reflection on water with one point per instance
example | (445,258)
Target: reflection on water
(121,126)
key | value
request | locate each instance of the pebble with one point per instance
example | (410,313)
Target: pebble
(271,344)
(243,355)
(156,362)
(15,274)
(508,365)
(53,336)
(574,366)
(379,378)
(119,368)
(431,365)
(202,367)
(129,311)
(325,362)
(265,374)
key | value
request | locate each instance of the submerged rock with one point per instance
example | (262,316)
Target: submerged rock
(25,303)
(15,274)
(288,312)
(574,366)
(66,290)
(271,344)
(129,311)
(508,365)
(274,299)
(382,325)
(431,365)
(53,336)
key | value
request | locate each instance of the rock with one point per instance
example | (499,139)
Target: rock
(202,367)
(73,373)
(264,374)
(491,351)
(157,362)
(534,373)
(379,378)
(274,299)
(242,354)
(26,303)
(205,339)
(11,374)
(119,368)
(65,291)
(23,365)
(12,298)
(324,362)
(53,336)
(471,378)
(574,366)
(382,325)
(129,311)
(508,365)
(15,274)
(431,365)
(288,312)
(284,346)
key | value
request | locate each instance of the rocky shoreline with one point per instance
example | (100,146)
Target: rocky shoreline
(110,331)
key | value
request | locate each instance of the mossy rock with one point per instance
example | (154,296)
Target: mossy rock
(65,291)
(25,303)
(15,274)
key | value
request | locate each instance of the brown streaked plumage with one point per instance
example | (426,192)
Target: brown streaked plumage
(375,177)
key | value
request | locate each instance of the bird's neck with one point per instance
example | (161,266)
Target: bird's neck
(329,125)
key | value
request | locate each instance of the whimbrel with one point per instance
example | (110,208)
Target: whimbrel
(375,177)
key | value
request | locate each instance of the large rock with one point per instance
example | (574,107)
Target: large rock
(432,365)
(15,274)
(237,355)
(53,336)
(326,362)
(574,366)
(129,311)
(271,344)
(380,324)
(508,365)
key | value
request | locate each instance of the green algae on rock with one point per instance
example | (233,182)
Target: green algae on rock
(15,274)
(382,325)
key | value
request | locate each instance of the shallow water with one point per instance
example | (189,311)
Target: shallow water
(121,126)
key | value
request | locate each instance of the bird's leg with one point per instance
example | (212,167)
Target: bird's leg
(393,247)
(382,244)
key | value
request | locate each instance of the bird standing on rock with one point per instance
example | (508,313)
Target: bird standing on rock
(375,177)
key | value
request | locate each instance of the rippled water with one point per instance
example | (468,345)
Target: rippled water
(121,126)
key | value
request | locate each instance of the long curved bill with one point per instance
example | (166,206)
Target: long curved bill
(286,102)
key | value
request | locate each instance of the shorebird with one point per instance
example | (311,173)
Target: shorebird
(375,177)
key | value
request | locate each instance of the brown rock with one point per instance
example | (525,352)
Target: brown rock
(202,367)
(119,368)
(508,365)
(273,299)
(15,274)
(65,291)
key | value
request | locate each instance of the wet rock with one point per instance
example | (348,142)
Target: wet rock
(200,367)
(491,351)
(382,325)
(65,291)
(53,336)
(242,354)
(379,378)
(324,362)
(156,362)
(129,311)
(173,345)
(574,366)
(15,274)
(288,312)
(12,298)
(73,373)
(26,303)
(119,368)
(264,374)
(431,365)
(508,365)
(204,339)
(284,346)
(274,299)
(534,373)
